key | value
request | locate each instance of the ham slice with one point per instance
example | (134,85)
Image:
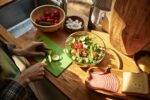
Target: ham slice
(103,81)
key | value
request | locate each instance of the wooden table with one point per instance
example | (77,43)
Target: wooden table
(71,82)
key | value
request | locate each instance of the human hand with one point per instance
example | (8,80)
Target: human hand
(33,73)
(30,50)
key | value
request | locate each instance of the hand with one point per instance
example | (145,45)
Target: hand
(30,50)
(33,73)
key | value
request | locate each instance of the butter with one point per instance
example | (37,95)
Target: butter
(144,64)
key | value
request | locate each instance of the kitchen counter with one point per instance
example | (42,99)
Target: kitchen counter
(72,81)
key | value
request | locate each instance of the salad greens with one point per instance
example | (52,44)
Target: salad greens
(83,50)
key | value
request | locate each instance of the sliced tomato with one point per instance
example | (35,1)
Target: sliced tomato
(78,45)
(75,45)
(94,54)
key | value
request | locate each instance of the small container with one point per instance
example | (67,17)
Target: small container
(73,18)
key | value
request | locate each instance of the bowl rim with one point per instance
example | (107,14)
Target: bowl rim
(47,6)
(104,53)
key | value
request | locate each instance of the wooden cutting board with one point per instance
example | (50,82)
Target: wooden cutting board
(55,67)
(130,26)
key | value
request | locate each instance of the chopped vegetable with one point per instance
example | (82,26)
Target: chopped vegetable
(44,60)
(49,58)
(55,57)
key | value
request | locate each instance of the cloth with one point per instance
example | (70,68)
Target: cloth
(14,91)
(10,70)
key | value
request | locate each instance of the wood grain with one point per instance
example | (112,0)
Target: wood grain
(130,25)
(4,2)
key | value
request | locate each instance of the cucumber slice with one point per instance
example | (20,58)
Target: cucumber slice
(44,60)
(82,38)
(49,58)
(55,57)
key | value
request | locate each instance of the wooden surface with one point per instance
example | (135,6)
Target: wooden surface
(4,2)
(71,82)
(130,25)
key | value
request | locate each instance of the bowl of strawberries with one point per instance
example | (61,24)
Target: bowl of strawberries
(47,18)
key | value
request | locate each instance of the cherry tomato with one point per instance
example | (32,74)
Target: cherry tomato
(56,21)
(56,13)
(56,18)
(52,21)
(38,20)
(46,13)
(43,18)
(48,19)
(52,15)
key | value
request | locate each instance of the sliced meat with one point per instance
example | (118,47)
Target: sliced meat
(105,81)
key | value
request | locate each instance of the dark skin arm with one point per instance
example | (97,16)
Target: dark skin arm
(36,71)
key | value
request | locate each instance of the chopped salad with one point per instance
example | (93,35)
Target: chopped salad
(83,50)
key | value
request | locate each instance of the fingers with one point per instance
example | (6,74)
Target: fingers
(45,46)
(41,73)
(40,77)
(35,44)
(42,64)
(38,53)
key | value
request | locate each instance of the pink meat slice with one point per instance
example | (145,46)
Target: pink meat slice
(105,81)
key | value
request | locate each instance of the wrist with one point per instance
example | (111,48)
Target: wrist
(18,52)
(23,81)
